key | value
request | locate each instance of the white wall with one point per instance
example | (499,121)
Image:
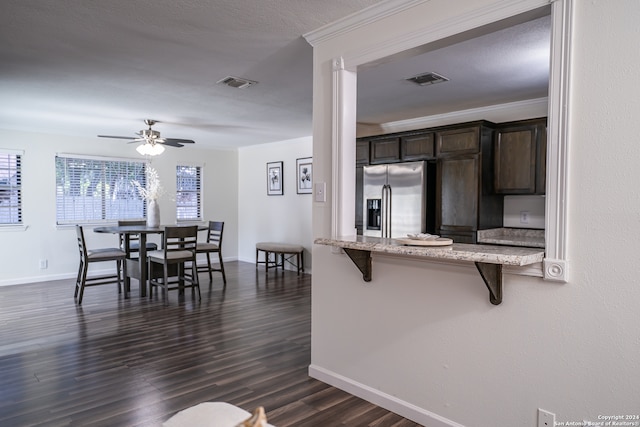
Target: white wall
(422,336)
(21,251)
(262,218)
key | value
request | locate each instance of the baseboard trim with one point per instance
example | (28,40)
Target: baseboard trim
(386,401)
(307,270)
(41,278)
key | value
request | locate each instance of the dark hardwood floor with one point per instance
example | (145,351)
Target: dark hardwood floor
(136,362)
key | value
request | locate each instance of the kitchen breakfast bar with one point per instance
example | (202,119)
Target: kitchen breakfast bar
(488,259)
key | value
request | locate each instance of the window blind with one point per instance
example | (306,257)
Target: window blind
(10,188)
(94,190)
(188,193)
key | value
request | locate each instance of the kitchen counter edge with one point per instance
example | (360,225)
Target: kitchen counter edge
(506,255)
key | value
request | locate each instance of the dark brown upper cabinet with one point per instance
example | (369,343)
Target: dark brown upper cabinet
(418,146)
(520,157)
(362,152)
(455,142)
(384,150)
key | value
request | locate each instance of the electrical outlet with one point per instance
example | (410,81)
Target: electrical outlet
(43,264)
(546,418)
(524,217)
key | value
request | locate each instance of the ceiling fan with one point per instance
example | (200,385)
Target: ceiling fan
(153,143)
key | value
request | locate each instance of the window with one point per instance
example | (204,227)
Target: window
(10,187)
(188,193)
(94,189)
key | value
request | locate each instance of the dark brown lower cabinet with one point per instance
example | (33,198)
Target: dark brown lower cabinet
(457,198)
(464,200)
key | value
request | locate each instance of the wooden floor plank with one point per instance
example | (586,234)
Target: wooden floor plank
(136,362)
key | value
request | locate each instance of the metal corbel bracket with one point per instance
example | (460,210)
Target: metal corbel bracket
(491,273)
(362,260)
(492,276)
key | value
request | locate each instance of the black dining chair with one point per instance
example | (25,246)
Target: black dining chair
(134,239)
(211,246)
(179,247)
(87,256)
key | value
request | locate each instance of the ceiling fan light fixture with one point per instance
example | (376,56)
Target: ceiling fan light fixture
(149,149)
(149,134)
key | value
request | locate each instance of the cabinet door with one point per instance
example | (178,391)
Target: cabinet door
(362,152)
(519,160)
(515,161)
(455,142)
(385,150)
(541,167)
(417,147)
(458,193)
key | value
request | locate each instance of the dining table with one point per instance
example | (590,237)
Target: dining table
(136,267)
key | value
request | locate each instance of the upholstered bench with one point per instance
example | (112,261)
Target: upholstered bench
(281,252)
(209,414)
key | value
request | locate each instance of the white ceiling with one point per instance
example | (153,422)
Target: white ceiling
(78,67)
(505,62)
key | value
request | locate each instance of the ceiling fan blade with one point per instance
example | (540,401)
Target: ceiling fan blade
(116,137)
(171,143)
(179,140)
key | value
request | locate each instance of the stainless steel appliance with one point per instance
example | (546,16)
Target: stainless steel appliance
(394,199)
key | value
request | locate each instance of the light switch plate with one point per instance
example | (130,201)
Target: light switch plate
(320,191)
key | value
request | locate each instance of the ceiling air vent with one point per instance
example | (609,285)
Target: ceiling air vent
(236,82)
(427,79)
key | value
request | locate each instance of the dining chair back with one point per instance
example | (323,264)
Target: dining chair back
(134,239)
(211,246)
(87,256)
(179,247)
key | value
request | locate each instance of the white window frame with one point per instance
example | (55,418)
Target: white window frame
(199,193)
(19,157)
(555,265)
(106,214)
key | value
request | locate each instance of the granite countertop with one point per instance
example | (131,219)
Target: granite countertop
(513,237)
(457,251)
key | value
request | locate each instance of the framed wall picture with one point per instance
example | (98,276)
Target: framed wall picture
(304,175)
(274,179)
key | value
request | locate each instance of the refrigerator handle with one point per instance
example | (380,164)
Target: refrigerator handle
(386,211)
(383,210)
(389,199)
(383,222)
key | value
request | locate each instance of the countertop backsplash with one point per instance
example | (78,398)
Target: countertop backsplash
(532,238)
(524,212)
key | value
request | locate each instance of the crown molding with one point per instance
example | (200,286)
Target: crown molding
(359,19)
(518,110)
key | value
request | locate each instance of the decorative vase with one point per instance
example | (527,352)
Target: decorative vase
(153,214)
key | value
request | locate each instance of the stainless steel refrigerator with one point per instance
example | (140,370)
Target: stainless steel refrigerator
(394,199)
